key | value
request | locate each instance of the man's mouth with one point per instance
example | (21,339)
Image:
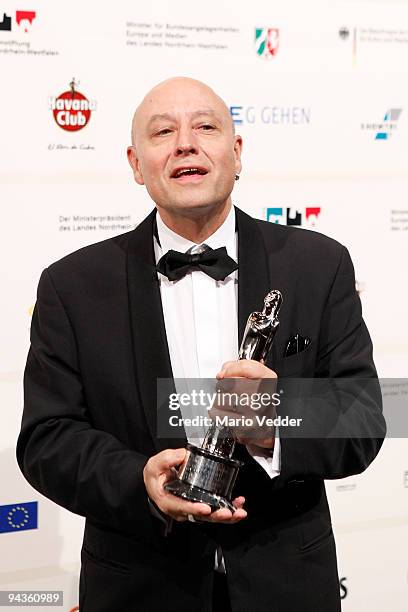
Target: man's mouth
(187,173)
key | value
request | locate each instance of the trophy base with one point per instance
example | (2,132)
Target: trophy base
(195,494)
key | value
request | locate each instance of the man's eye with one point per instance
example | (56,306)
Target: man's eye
(206,127)
(163,132)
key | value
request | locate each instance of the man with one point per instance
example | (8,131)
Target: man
(108,323)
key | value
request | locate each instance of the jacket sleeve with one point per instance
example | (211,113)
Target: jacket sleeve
(344,425)
(60,452)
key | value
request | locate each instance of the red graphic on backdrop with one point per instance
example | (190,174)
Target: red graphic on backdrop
(312,214)
(312,211)
(71,109)
(27,17)
(272,40)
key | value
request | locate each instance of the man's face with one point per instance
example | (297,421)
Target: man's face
(185,150)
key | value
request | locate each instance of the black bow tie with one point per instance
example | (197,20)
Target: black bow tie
(214,262)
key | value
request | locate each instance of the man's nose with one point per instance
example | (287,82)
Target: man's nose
(186,144)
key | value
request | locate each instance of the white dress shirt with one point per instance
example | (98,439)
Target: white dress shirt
(201,318)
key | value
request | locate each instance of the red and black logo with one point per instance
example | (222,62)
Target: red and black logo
(24,20)
(71,109)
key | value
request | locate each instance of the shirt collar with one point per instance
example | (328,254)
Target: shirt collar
(225,235)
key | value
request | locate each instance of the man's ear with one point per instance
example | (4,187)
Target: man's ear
(135,165)
(238,151)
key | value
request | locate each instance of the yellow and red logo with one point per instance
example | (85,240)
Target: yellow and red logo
(71,109)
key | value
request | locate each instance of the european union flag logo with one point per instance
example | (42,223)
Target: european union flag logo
(18,517)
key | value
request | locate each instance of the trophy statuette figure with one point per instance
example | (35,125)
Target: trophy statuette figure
(208,473)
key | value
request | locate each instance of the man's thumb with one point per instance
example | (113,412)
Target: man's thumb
(172,457)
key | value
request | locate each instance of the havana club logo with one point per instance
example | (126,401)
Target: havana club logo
(71,109)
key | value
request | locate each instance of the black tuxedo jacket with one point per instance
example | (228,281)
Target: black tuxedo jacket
(98,344)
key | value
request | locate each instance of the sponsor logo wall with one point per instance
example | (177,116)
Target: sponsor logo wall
(319,95)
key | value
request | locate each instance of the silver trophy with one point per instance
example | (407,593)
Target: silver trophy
(208,473)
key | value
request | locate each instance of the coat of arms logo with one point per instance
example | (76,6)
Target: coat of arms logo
(267,41)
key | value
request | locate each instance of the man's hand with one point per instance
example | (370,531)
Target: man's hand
(250,370)
(245,368)
(160,469)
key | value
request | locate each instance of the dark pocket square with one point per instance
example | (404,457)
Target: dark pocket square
(296,344)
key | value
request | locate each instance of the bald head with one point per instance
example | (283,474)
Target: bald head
(184,150)
(166,97)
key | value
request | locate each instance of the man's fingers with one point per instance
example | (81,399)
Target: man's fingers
(196,509)
(170,458)
(245,368)
(225,516)
(221,515)
(179,509)
(238,502)
(238,515)
(164,462)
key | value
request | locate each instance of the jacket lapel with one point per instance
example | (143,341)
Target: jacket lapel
(150,348)
(254,280)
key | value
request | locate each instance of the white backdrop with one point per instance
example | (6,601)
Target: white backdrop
(324,117)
